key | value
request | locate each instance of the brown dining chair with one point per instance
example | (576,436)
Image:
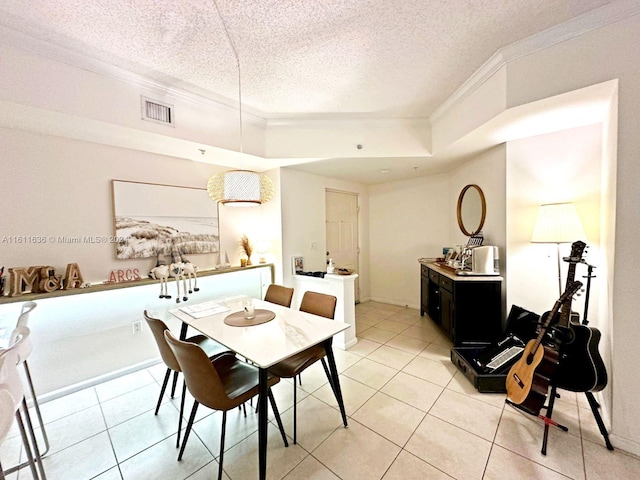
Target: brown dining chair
(220,384)
(279,295)
(324,306)
(210,347)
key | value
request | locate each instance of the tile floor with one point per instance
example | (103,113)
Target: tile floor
(412,415)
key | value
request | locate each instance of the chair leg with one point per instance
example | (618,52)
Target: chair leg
(184,392)
(221,458)
(164,387)
(25,442)
(295,412)
(173,386)
(36,449)
(188,430)
(274,407)
(37,409)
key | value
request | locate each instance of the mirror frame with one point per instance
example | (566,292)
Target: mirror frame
(459,210)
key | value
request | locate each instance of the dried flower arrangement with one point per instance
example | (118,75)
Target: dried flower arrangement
(246,246)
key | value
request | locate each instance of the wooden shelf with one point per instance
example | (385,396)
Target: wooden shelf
(102,287)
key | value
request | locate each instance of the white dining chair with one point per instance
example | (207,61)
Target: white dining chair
(11,389)
(24,352)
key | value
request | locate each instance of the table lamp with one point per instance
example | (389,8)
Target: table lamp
(557,223)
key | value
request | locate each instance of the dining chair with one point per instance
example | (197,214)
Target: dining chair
(279,295)
(324,306)
(14,404)
(210,347)
(220,384)
(24,351)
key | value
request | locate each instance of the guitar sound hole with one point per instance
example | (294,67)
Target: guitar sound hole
(530,358)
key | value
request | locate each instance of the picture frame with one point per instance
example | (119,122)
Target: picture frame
(297,265)
(154,219)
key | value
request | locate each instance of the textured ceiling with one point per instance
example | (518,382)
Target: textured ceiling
(299,58)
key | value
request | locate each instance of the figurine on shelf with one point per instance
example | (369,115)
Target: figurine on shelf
(161,272)
(190,271)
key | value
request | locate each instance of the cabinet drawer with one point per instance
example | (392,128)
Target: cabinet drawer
(433,276)
(446,283)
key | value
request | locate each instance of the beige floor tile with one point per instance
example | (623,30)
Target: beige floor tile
(111,474)
(377,335)
(392,326)
(357,453)
(370,373)
(364,347)
(310,468)
(129,405)
(413,391)
(439,373)
(410,467)
(344,359)
(391,357)
(391,418)
(502,460)
(437,352)
(522,434)
(422,332)
(407,344)
(589,427)
(461,384)
(209,471)
(459,453)
(159,461)
(316,421)
(467,413)
(354,394)
(313,378)
(72,403)
(126,384)
(86,459)
(136,434)
(603,464)
(74,428)
(241,462)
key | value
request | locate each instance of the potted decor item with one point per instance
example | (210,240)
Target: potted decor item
(246,246)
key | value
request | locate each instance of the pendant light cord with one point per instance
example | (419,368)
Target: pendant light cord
(235,54)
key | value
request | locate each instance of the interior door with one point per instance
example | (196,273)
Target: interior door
(342,231)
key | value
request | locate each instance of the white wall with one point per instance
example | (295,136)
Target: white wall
(303,223)
(603,54)
(408,220)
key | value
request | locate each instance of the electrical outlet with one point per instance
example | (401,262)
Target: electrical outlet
(137,327)
(314,245)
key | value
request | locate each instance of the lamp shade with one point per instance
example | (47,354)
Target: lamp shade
(557,223)
(240,188)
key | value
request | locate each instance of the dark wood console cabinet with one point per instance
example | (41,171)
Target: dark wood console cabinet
(468,309)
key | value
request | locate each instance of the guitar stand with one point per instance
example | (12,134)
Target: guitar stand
(547,419)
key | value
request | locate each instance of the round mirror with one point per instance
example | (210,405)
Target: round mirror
(472,209)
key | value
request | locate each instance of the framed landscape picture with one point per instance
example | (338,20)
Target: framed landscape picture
(152,219)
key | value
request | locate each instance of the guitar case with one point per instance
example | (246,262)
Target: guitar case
(472,360)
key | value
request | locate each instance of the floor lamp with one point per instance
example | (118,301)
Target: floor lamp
(558,223)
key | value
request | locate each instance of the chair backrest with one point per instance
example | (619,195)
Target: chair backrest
(20,343)
(279,294)
(158,328)
(319,304)
(23,318)
(200,375)
(9,377)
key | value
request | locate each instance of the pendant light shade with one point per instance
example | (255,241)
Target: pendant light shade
(242,188)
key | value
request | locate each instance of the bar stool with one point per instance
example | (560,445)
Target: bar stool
(25,349)
(11,399)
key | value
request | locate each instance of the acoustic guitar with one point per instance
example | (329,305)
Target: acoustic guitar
(581,367)
(528,379)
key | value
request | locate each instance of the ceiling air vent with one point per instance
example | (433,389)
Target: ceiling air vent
(157,112)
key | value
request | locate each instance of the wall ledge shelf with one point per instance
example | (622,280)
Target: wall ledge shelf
(101,287)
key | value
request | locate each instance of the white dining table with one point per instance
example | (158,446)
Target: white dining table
(289,332)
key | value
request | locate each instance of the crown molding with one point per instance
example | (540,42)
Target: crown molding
(27,42)
(595,19)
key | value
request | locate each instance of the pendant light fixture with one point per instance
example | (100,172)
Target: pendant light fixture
(239,188)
